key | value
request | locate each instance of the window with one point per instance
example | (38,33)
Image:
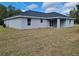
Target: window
(69,21)
(41,20)
(28,21)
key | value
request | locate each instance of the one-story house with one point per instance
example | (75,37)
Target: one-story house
(33,19)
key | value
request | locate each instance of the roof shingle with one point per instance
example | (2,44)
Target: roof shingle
(41,14)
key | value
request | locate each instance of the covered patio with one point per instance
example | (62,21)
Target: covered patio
(57,22)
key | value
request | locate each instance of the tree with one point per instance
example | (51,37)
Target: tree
(11,10)
(77,6)
(3,12)
(75,13)
(18,12)
(7,12)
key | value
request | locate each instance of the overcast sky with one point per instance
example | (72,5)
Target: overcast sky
(60,7)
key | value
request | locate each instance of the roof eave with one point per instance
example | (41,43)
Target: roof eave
(37,17)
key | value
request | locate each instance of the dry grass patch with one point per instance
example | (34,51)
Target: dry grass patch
(48,41)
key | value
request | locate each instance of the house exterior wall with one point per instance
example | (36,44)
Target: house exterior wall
(35,23)
(21,23)
(63,23)
(66,23)
(72,23)
(14,23)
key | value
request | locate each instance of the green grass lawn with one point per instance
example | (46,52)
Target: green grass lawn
(47,41)
(2,29)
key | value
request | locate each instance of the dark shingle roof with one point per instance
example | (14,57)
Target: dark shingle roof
(41,14)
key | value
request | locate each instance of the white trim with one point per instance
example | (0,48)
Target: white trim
(38,17)
(58,23)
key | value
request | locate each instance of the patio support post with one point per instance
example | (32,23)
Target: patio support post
(58,23)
